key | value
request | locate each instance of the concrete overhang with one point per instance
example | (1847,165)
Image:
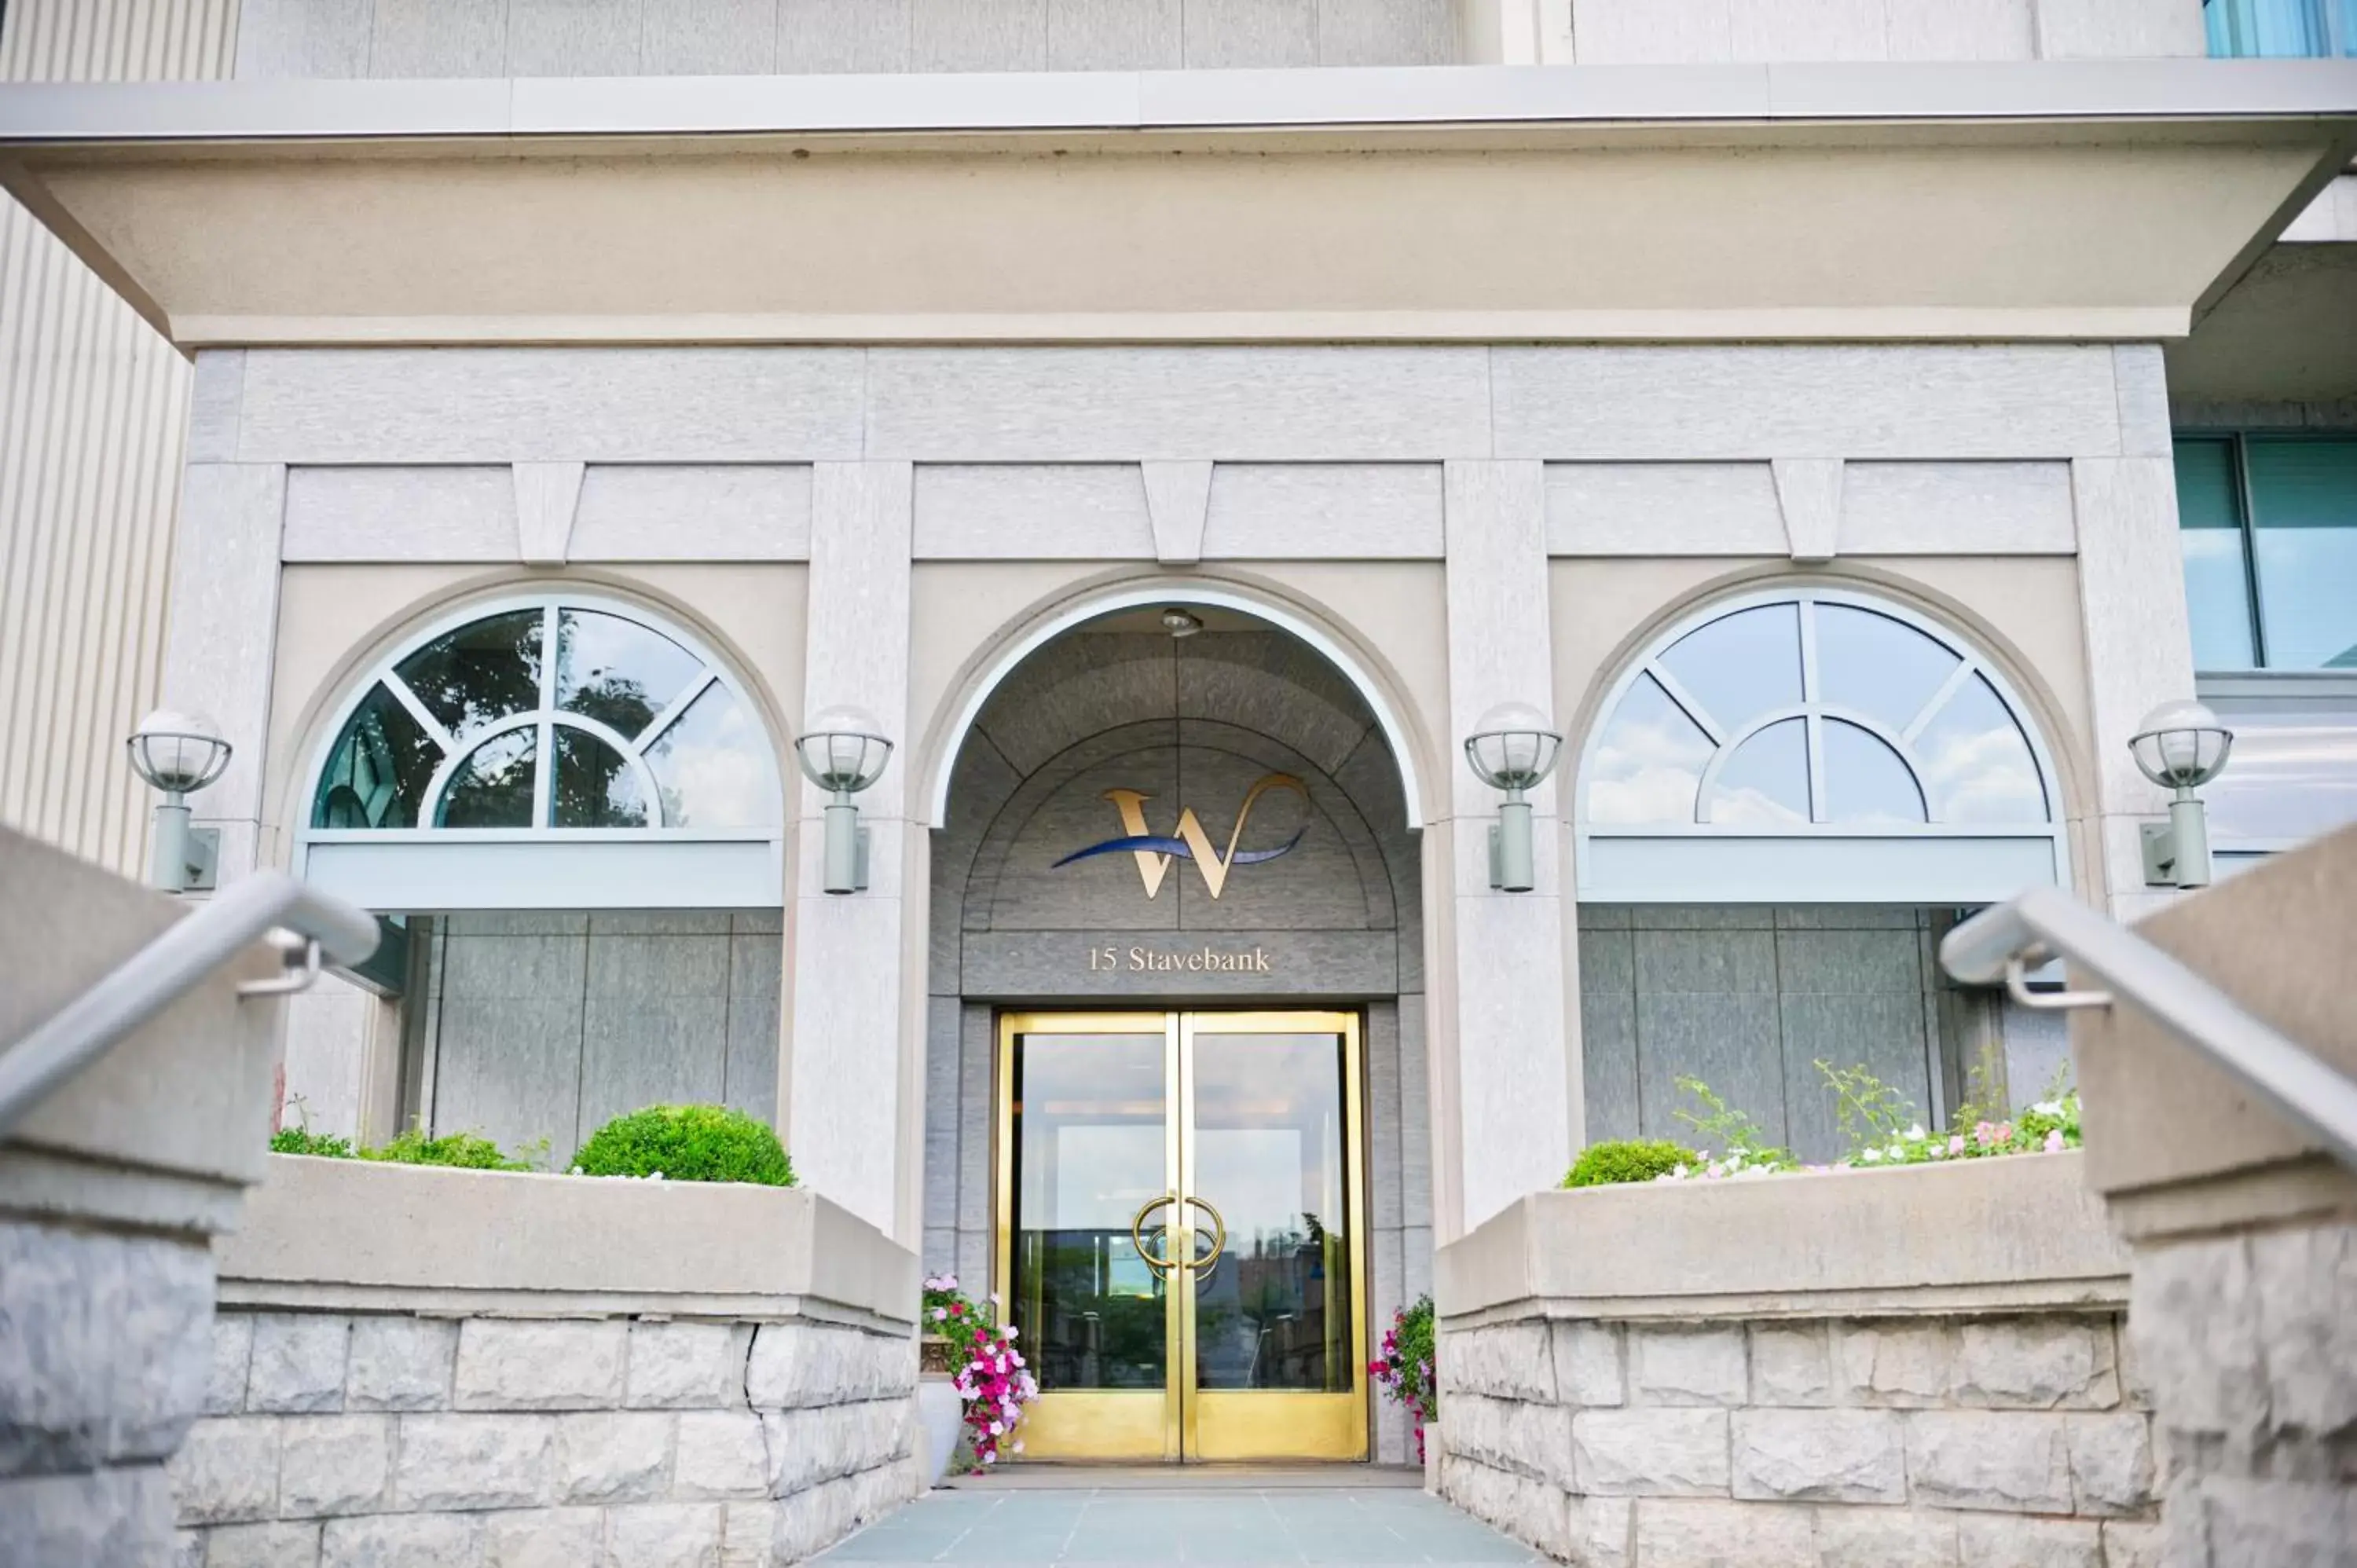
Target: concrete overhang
(2098,199)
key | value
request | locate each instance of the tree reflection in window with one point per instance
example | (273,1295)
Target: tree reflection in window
(624,729)
(1817,710)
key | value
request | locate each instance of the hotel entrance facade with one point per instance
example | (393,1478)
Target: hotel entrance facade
(1808,470)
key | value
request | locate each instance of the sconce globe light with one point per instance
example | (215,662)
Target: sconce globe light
(2180,746)
(1512,749)
(843,751)
(179,754)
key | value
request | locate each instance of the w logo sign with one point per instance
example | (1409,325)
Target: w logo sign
(1155,852)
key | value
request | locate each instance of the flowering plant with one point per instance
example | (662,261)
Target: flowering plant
(986,1368)
(1405,1369)
(1876,1119)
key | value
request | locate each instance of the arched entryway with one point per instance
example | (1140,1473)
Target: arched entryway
(1177,921)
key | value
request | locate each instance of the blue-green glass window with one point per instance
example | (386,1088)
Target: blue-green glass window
(2295,30)
(2268,527)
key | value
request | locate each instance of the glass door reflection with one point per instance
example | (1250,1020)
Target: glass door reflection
(1182,1201)
(1090,1143)
(1274,1328)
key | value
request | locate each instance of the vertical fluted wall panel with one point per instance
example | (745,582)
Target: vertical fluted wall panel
(94,408)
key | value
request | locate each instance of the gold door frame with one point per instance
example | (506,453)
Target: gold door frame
(1243,1424)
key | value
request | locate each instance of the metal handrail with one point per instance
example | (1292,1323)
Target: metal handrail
(159,973)
(2047,922)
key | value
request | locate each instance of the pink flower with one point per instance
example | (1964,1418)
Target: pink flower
(1956,1145)
(2054,1145)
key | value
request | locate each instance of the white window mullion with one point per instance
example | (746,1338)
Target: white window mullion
(676,706)
(417,710)
(544,772)
(1711,729)
(1814,720)
(1948,688)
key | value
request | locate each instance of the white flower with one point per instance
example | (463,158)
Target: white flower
(654,1175)
(2047,1108)
(574,1171)
(1012,1331)
(1871,1157)
(941,1315)
(949,1282)
(1917,1133)
(1679,1174)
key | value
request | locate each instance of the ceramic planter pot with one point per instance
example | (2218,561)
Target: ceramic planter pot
(940,1412)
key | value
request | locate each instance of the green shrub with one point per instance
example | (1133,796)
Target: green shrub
(303,1141)
(1627,1159)
(465,1150)
(687,1142)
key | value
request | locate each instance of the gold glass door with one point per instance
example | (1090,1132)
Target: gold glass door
(1180,1206)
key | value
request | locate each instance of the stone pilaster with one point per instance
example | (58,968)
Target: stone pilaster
(848,1083)
(1503,1009)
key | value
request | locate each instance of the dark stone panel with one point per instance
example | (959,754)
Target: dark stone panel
(1607,1033)
(1260,966)
(756,997)
(1727,1039)
(1883,1034)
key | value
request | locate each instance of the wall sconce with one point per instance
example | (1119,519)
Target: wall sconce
(841,753)
(1512,749)
(179,754)
(2180,746)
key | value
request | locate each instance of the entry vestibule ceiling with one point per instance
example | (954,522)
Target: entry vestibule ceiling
(1278,864)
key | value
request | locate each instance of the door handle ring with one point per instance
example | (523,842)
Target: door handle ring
(1219,1236)
(1163,1265)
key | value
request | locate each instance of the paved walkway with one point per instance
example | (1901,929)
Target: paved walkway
(1235,1523)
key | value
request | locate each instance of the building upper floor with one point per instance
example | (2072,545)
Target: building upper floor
(430,38)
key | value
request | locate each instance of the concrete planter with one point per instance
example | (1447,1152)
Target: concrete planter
(1921,1364)
(574,1368)
(1432,1457)
(2021,1230)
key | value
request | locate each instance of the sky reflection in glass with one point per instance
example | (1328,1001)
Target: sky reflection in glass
(1874,679)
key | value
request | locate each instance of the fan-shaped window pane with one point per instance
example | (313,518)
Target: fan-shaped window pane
(492,788)
(1766,782)
(480,673)
(1864,780)
(1977,768)
(1882,668)
(595,787)
(618,672)
(710,766)
(376,776)
(1742,665)
(1648,762)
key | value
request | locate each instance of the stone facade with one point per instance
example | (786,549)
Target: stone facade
(102,1359)
(111,1187)
(385,1440)
(2250,1345)
(1822,1441)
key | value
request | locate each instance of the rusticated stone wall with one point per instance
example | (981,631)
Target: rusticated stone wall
(1934,1442)
(2250,1343)
(368,1440)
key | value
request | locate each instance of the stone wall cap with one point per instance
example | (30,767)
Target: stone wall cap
(341,1230)
(2021,1231)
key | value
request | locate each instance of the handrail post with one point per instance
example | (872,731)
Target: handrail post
(160,974)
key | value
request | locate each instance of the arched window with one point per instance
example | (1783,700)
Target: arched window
(560,751)
(1814,745)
